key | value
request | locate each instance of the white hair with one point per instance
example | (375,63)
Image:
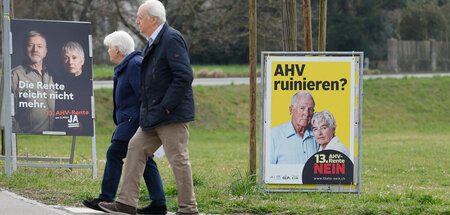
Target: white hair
(301,93)
(122,40)
(155,8)
(73,46)
(324,116)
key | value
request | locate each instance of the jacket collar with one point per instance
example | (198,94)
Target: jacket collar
(119,68)
(147,50)
(158,38)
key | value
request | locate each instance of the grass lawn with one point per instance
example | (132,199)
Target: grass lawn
(106,72)
(406,125)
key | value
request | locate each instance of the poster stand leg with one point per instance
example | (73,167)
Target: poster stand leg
(3,142)
(94,158)
(72,151)
(14,151)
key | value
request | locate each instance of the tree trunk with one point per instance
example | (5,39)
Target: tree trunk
(289,25)
(307,24)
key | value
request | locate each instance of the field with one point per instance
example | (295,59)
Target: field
(106,72)
(406,125)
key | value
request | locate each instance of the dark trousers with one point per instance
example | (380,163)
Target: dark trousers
(113,170)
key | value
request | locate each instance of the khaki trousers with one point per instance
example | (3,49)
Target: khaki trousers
(174,138)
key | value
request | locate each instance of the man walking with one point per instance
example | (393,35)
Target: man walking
(166,110)
(126,97)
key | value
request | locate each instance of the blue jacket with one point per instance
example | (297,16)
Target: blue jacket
(166,79)
(127,96)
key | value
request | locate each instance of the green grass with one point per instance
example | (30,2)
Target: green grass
(103,72)
(404,171)
(230,70)
(106,72)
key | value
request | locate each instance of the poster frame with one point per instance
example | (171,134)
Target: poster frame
(10,140)
(332,188)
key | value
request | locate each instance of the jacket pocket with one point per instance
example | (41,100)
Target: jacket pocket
(156,114)
(123,117)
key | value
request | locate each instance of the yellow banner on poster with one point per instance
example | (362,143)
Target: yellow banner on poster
(327,81)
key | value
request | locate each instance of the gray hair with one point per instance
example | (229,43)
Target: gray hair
(73,46)
(155,8)
(301,93)
(324,116)
(122,40)
(34,33)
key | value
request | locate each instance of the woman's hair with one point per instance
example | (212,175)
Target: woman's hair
(324,116)
(73,46)
(122,40)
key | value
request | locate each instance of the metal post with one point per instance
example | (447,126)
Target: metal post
(14,151)
(252,62)
(7,86)
(72,150)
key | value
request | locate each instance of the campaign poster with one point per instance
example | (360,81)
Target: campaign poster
(309,120)
(51,78)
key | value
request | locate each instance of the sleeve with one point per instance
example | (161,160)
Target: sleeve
(14,91)
(135,76)
(273,157)
(179,64)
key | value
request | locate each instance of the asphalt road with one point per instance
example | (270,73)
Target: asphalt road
(246,80)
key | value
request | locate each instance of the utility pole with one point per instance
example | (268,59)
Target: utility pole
(307,24)
(322,25)
(252,62)
(289,25)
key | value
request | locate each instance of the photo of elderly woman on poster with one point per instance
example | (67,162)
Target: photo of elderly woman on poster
(324,127)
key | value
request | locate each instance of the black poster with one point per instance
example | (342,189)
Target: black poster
(51,77)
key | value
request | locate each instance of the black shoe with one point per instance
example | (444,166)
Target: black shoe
(160,210)
(93,204)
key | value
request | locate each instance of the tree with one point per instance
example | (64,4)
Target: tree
(424,20)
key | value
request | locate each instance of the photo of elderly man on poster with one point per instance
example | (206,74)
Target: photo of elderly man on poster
(31,98)
(293,142)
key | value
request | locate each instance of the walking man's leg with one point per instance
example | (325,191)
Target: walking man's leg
(174,138)
(143,144)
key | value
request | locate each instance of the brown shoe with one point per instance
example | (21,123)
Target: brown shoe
(117,208)
(181,213)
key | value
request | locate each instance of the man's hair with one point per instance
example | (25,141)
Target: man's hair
(122,40)
(155,8)
(34,33)
(301,93)
(72,46)
(324,116)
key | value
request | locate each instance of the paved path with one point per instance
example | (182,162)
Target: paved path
(245,80)
(12,204)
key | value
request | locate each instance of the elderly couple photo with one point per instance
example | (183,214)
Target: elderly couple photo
(305,134)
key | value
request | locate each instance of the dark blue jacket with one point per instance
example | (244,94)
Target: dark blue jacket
(166,79)
(127,96)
